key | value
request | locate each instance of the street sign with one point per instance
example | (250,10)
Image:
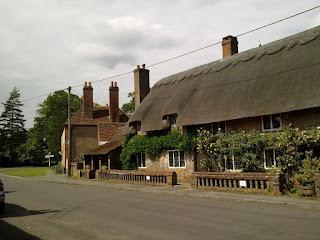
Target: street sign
(49,156)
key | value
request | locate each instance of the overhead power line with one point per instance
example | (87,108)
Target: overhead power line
(189,52)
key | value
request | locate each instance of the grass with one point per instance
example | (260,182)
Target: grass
(26,171)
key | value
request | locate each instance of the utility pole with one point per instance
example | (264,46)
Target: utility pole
(69,133)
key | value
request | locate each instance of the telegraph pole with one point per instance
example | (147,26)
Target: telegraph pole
(69,133)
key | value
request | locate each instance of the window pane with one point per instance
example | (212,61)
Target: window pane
(182,161)
(236,162)
(276,121)
(269,158)
(222,126)
(143,160)
(171,159)
(176,158)
(215,128)
(266,122)
(228,164)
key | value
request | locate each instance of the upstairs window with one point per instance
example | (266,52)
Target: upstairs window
(219,126)
(134,127)
(176,159)
(271,122)
(141,160)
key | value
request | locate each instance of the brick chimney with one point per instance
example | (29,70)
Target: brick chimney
(141,84)
(229,46)
(87,101)
(114,102)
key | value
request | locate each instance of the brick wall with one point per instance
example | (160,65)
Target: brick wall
(303,119)
(83,138)
(161,163)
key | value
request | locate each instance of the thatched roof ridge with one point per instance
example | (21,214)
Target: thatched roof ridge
(281,76)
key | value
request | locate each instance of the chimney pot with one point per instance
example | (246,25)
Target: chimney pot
(85,84)
(143,66)
(229,46)
(138,66)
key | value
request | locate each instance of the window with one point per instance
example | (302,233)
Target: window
(232,163)
(172,119)
(218,126)
(141,160)
(176,159)
(270,158)
(271,122)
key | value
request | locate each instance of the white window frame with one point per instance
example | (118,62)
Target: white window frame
(179,152)
(140,155)
(274,158)
(271,123)
(233,165)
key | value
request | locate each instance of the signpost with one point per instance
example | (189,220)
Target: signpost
(49,156)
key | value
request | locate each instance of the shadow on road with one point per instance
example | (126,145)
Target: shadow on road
(13,210)
(10,232)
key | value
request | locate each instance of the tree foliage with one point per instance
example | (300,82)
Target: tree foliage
(128,108)
(45,135)
(12,129)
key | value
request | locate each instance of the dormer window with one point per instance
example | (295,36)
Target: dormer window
(135,127)
(271,122)
(169,120)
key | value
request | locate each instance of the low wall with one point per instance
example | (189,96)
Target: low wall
(317,184)
(247,182)
(140,177)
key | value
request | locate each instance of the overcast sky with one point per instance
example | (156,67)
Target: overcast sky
(47,45)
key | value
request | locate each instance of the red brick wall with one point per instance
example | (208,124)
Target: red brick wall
(83,138)
(87,102)
(114,102)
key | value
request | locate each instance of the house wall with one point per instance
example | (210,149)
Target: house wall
(303,119)
(161,164)
(64,163)
(83,138)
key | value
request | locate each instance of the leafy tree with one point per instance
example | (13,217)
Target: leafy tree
(128,108)
(12,130)
(45,135)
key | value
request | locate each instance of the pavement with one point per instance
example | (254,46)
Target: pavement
(186,190)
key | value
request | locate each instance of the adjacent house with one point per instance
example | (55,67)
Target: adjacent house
(264,88)
(96,132)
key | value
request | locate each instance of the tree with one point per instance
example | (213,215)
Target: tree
(128,108)
(12,130)
(45,135)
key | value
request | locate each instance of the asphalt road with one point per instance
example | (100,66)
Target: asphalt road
(42,210)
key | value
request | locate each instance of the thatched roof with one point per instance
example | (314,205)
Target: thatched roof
(278,77)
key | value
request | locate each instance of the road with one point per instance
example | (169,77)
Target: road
(42,210)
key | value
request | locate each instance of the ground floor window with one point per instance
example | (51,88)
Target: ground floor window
(232,163)
(270,158)
(141,160)
(176,159)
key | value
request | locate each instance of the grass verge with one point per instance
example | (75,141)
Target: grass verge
(26,171)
